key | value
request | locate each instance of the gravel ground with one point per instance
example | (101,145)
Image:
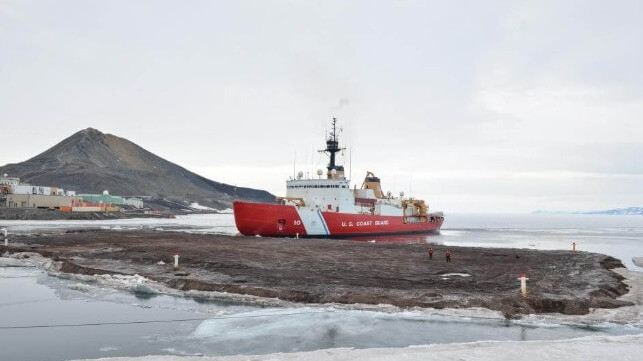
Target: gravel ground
(341,271)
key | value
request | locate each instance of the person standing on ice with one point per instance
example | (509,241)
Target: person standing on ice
(448,254)
(430,253)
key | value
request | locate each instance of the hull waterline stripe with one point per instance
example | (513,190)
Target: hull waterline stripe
(323,223)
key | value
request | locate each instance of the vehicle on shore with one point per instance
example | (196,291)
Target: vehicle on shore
(328,207)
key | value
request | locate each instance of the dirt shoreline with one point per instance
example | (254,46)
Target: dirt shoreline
(34,214)
(340,271)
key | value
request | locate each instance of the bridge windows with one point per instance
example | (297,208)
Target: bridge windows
(319,186)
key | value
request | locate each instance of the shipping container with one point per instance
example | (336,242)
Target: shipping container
(87,209)
(39,201)
(100,198)
(21,189)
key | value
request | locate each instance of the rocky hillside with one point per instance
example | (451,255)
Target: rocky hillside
(91,161)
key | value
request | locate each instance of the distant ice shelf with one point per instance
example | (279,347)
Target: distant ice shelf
(630,211)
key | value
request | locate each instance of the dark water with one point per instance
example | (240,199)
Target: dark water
(31,298)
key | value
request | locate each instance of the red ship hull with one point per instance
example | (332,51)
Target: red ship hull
(277,220)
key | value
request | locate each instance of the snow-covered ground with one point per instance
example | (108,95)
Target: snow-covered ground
(621,348)
(197,206)
(221,223)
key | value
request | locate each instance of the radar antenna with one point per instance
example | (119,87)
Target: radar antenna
(332,146)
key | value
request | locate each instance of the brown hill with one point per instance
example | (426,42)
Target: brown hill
(91,161)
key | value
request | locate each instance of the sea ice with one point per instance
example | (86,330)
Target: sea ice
(82,287)
(625,348)
(12,262)
(108,349)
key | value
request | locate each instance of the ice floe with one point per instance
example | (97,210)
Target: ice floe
(12,262)
(624,348)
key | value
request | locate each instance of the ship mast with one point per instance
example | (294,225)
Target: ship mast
(332,147)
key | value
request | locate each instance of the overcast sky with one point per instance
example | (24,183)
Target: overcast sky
(479,106)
